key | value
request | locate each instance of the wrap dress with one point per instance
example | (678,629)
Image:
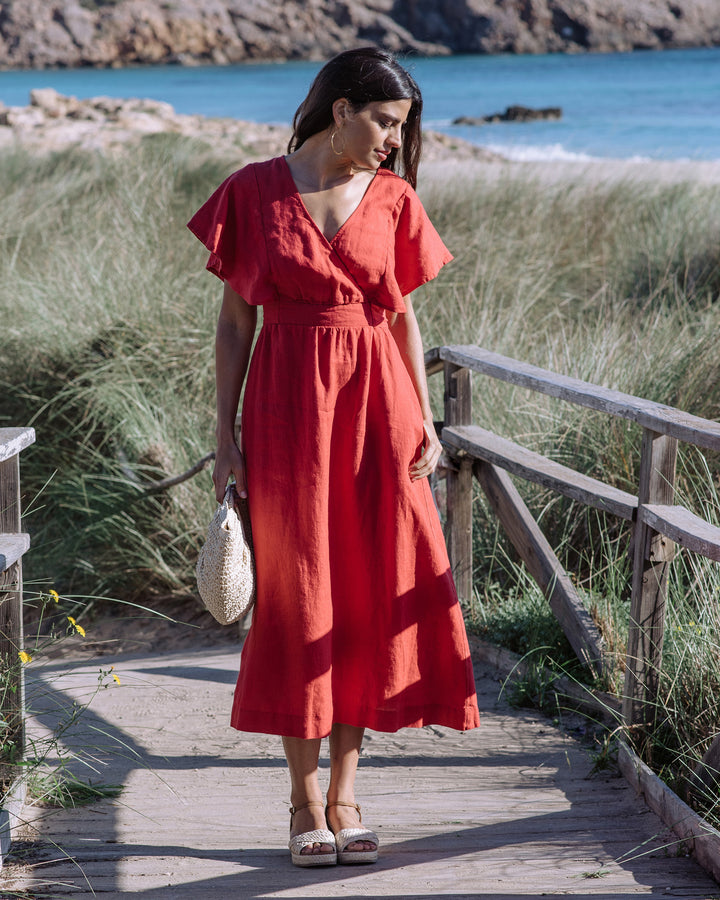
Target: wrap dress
(356,619)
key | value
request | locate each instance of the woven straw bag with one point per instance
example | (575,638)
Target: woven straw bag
(225,568)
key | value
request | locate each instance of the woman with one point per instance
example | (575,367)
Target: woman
(356,622)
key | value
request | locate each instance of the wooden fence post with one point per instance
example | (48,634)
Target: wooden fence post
(653,554)
(458,411)
(12,546)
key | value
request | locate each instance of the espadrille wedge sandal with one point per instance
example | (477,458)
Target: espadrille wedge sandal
(347,836)
(298,842)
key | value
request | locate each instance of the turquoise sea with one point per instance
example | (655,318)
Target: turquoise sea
(641,105)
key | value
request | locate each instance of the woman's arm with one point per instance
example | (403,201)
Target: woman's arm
(233,343)
(404,328)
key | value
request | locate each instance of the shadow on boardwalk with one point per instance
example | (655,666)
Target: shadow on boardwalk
(508,810)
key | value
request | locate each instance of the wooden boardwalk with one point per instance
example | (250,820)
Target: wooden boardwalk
(506,811)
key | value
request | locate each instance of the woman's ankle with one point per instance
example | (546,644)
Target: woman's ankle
(346,798)
(301,800)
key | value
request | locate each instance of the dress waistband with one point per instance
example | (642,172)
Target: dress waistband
(347,315)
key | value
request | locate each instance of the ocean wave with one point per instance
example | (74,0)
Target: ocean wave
(541,153)
(558,153)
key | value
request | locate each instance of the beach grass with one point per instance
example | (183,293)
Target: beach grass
(107,350)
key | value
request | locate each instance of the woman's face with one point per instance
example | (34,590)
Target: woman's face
(369,135)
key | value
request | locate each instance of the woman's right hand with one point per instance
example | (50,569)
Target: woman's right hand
(228,461)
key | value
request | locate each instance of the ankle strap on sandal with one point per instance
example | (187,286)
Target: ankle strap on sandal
(295,809)
(355,806)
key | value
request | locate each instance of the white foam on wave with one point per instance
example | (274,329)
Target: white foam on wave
(541,153)
(558,153)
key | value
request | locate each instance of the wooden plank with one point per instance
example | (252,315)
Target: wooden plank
(482,444)
(653,554)
(458,411)
(683,527)
(703,839)
(542,563)
(12,548)
(14,440)
(504,811)
(656,416)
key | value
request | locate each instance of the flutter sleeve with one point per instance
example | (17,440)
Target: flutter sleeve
(230,225)
(419,251)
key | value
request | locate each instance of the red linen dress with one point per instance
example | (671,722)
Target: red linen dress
(357,619)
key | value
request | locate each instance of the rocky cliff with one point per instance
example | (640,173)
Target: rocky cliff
(45,33)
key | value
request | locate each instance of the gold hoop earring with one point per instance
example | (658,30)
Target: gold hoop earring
(332,144)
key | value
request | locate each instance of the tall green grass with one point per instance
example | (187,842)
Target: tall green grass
(107,349)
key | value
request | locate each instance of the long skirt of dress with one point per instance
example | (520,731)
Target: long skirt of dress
(356,619)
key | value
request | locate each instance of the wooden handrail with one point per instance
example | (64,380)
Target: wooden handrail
(658,521)
(14,440)
(683,527)
(12,549)
(656,416)
(482,444)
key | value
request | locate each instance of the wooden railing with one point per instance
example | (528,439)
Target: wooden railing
(658,523)
(13,544)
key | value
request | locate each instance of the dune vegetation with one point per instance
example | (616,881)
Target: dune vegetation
(107,350)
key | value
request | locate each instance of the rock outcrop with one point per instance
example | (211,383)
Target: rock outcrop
(70,33)
(53,121)
(513,114)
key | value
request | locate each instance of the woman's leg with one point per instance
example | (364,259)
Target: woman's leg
(302,759)
(345,743)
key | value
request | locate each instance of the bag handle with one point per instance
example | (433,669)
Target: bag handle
(230,498)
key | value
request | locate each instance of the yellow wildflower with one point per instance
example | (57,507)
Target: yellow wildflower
(24,657)
(54,594)
(116,679)
(80,630)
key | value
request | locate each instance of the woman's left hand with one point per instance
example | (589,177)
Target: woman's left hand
(431,454)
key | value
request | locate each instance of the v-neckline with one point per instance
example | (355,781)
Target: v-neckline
(306,211)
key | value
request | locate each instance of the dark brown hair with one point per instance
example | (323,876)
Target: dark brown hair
(362,76)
